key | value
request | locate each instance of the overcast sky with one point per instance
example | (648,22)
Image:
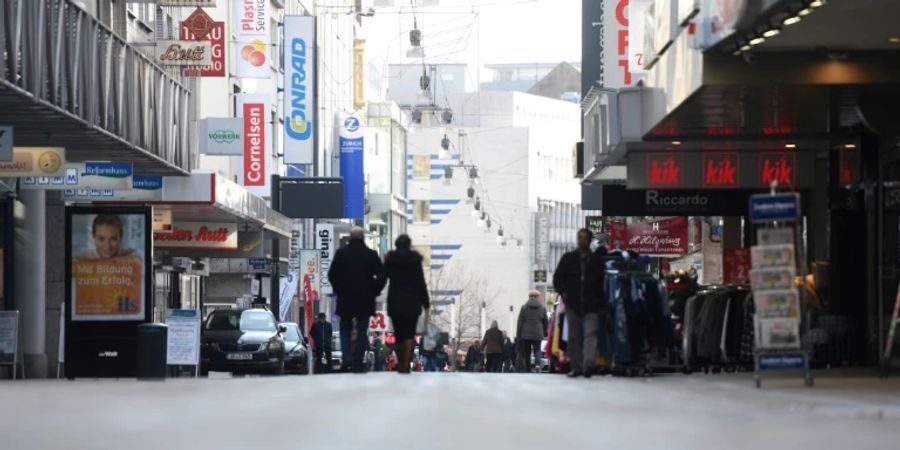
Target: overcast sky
(512,31)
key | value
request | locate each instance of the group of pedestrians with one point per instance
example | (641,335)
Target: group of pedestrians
(358,276)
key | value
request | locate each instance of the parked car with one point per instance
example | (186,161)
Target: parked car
(242,341)
(296,349)
(337,355)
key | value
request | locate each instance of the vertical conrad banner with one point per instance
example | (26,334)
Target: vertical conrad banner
(255,161)
(299,89)
(251,29)
(325,245)
(351,147)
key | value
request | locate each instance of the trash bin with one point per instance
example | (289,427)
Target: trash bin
(151,346)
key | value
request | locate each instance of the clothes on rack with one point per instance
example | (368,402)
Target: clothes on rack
(639,319)
(719,326)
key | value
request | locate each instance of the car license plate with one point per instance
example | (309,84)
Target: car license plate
(239,356)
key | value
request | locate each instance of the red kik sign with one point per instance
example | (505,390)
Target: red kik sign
(721,170)
(778,166)
(665,169)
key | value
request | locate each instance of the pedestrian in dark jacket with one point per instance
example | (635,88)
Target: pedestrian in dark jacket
(474,358)
(532,328)
(354,276)
(407,296)
(578,279)
(321,339)
(509,355)
(493,347)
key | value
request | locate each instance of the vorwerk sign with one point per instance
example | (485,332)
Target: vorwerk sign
(221,136)
(299,89)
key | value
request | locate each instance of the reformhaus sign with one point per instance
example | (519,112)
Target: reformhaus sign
(221,136)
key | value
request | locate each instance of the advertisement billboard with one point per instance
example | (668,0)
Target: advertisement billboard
(221,136)
(99,176)
(40,162)
(198,235)
(109,254)
(299,89)
(252,38)
(325,243)
(257,131)
(542,240)
(659,237)
(617,69)
(199,26)
(352,166)
(309,281)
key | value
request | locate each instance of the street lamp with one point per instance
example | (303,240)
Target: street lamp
(444,154)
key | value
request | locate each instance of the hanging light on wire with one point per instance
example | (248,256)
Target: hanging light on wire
(444,154)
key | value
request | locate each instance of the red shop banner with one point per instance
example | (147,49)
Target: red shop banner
(736,266)
(662,237)
(199,26)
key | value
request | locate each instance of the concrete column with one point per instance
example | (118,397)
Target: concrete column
(732,236)
(55,274)
(29,271)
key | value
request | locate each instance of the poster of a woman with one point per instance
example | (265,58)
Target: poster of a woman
(108,256)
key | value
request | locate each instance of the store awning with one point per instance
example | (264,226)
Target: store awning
(203,197)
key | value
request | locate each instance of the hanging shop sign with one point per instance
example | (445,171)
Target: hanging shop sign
(35,162)
(325,242)
(9,337)
(198,235)
(720,170)
(775,208)
(616,67)
(299,89)
(199,26)
(350,143)
(184,53)
(257,131)
(542,240)
(143,188)
(287,292)
(221,136)
(718,20)
(6,143)
(850,167)
(309,279)
(89,176)
(109,256)
(378,321)
(660,237)
(637,57)
(162,220)
(594,224)
(616,200)
(206,3)
(252,38)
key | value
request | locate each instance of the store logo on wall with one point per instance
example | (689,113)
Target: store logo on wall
(721,170)
(777,167)
(251,29)
(199,26)
(665,170)
(299,55)
(254,145)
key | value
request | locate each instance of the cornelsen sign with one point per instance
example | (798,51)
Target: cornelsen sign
(184,53)
(257,148)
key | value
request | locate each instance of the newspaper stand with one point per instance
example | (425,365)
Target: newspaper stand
(780,306)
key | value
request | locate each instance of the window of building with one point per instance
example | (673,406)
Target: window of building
(422,212)
(422,166)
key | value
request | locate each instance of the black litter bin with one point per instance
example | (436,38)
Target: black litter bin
(151,357)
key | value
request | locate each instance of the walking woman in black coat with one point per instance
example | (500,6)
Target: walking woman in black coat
(407,296)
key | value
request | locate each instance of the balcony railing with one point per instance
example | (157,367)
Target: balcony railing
(65,60)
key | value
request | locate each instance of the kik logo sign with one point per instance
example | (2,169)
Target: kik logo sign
(777,167)
(665,170)
(721,170)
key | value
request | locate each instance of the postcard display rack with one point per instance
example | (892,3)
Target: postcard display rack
(776,260)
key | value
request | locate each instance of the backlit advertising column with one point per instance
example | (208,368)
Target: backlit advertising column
(351,147)
(299,89)
(109,264)
(252,39)
(255,163)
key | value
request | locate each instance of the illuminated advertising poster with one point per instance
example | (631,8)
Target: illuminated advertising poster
(309,281)
(109,253)
(252,38)
(255,162)
(299,89)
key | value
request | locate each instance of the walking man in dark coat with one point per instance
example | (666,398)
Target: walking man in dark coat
(578,279)
(321,337)
(354,276)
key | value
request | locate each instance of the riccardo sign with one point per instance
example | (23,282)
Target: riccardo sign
(616,200)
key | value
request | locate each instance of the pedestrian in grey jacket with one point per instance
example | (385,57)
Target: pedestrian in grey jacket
(532,328)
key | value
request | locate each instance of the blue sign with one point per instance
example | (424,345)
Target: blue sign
(772,208)
(352,170)
(782,361)
(259,263)
(108,169)
(150,183)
